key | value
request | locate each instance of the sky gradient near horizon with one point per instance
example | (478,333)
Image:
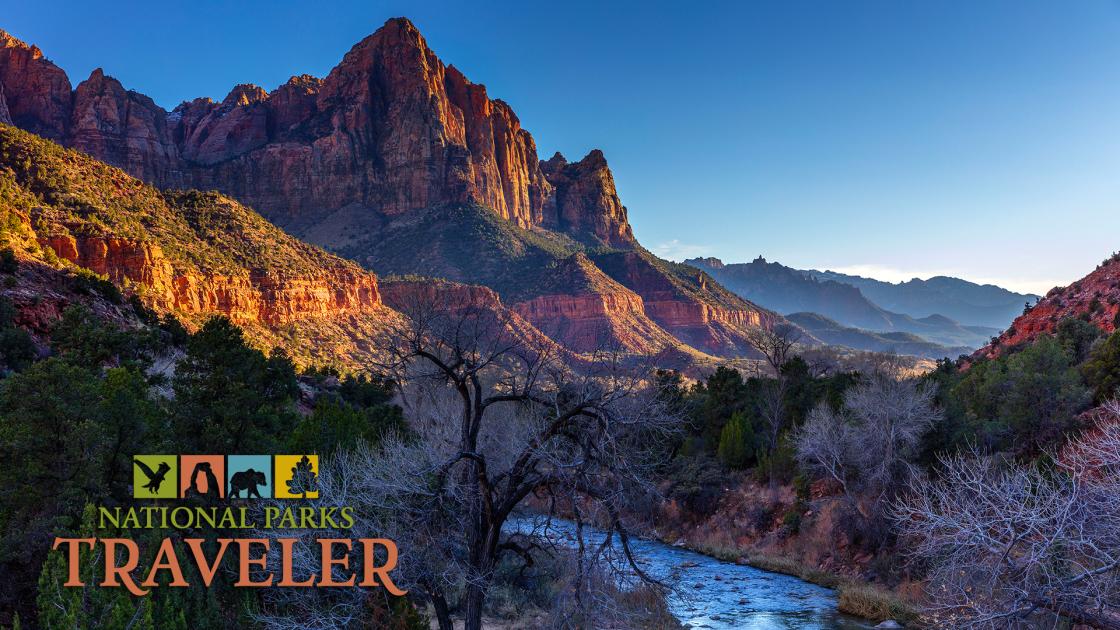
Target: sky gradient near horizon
(890,139)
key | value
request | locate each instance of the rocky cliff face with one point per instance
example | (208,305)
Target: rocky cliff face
(123,128)
(250,297)
(1096,298)
(687,302)
(161,248)
(587,311)
(391,129)
(417,297)
(587,204)
(5,115)
(36,92)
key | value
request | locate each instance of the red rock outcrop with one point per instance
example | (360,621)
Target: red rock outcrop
(693,308)
(416,296)
(587,203)
(584,309)
(190,254)
(233,128)
(390,129)
(122,128)
(390,132)
(5,115)
(36,92)
(1096,297)
(254,296)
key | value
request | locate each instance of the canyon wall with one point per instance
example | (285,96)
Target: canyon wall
(254,296)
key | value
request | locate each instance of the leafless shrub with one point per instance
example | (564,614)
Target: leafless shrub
(866,445)
(1011,546)
(776,345)
(496,417)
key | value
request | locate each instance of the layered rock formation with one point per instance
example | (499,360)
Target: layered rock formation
(36,92)
(1095,298)
(581,307)
(248,297)
(688,303)
(587,202)
(123,128)
(162,247)
(421,298)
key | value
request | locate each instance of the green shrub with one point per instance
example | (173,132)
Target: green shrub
(696,483)
(1102,369)
(737,442)
(88,282)
(791,520)
(17,350)
(802,486)
(1025,401)
(335,424)
(8,262)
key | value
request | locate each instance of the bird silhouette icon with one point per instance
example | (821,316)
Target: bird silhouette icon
(155,477)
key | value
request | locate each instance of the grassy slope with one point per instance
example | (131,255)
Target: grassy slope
(463,243)
(67,192)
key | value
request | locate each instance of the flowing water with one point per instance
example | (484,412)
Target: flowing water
(711,593)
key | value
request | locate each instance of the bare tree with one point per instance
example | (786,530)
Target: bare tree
(1010,546)
(776,345)
(865,446)
(499,417)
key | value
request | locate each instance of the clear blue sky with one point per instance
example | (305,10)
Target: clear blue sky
(980,139)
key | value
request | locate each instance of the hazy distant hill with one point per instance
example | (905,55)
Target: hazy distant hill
(832,332)
(787,290)
(961,300)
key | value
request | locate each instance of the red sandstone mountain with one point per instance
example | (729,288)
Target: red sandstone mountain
(399,162)
(391,128)
(190,254)
(1096,297)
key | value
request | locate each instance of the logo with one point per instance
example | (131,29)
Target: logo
(208,484)
(250,476)
(297,476)
(155,476)
(221,477)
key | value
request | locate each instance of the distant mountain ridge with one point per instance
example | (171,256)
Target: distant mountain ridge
(788,290)
(961,300)
(832,332)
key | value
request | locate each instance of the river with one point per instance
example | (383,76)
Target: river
(711,593)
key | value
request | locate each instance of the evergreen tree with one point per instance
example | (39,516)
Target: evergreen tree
(1102,370)
(230,396)
(737,442)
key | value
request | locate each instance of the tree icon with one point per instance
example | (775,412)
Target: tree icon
(303,479)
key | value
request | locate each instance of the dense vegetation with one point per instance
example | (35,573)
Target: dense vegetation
(70,423)
(875,440)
